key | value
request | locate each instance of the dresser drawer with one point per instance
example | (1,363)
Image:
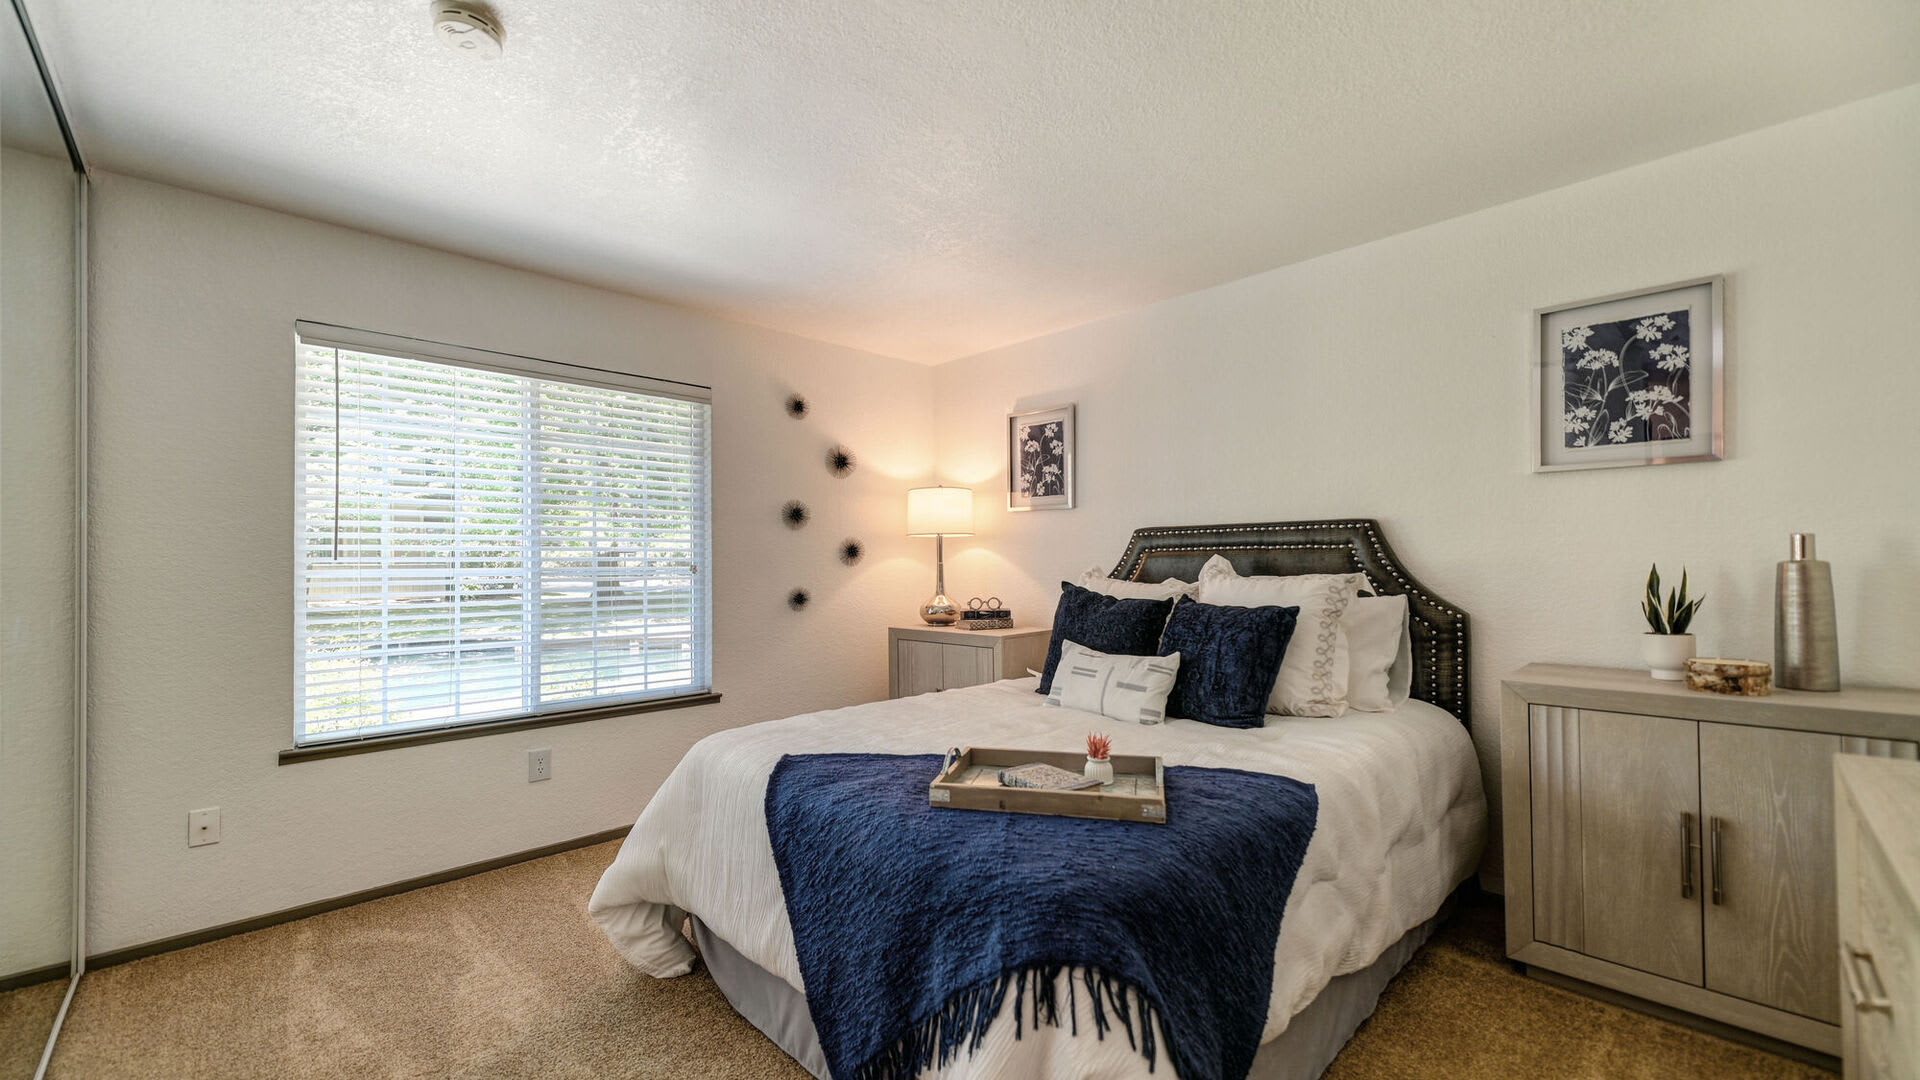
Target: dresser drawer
(1881,974)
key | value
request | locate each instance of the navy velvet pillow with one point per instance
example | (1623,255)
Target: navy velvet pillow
(1229,657)
(1105,624)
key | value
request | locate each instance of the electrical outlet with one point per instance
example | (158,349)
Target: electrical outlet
(539,765)
(203,826)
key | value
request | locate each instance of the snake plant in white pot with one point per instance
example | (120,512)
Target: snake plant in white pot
(1666,647)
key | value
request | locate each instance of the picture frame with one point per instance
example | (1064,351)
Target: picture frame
(1040,459)
(1635,378)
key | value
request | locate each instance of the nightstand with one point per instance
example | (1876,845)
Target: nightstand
(927,659)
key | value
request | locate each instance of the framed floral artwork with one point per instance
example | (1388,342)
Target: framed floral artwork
(1040,459)
(1630,379)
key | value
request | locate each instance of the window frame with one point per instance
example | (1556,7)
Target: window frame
(325,335)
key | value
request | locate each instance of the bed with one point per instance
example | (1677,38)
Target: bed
(1401,826)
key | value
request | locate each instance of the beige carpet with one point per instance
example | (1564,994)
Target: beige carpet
(502,976)
(26,1015)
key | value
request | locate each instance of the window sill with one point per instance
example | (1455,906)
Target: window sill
(367,745)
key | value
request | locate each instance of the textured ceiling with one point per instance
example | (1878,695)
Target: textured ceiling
(929,179)
(26,116)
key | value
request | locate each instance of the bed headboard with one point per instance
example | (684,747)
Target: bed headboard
(1439,629)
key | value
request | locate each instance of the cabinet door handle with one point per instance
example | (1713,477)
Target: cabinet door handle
(1686,856)
(1714,845)
(1863,1000)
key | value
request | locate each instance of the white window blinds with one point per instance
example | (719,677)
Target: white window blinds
(483,536)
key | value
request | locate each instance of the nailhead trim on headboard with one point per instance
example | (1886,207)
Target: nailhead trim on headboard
(1439,629)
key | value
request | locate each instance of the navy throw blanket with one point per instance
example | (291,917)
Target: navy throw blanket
(912,924)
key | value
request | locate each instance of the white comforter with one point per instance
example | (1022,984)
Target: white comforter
(1402,818)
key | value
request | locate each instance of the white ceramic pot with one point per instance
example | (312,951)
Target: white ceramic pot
(1666,655)
(1100,769)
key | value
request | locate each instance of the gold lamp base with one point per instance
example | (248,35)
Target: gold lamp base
(940,611)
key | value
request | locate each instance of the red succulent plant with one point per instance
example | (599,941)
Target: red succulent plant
(1098,746)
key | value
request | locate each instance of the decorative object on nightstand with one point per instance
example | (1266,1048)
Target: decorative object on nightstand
(940,512)
(1100,758)
(1717,675)
(987,614)
(1679,847)
(1806,639)
(1666,648)
(925,659)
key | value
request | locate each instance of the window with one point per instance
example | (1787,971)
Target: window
(483,537)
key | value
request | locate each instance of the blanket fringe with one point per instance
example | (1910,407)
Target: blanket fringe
(936,1039)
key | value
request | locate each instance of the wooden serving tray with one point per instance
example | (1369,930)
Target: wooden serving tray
(971,781)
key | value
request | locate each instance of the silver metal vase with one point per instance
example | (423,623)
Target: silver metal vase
(1806,641)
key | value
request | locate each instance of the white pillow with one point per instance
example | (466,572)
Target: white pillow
(1377,638)
(1313,673)
(1096,579)
(1122,687)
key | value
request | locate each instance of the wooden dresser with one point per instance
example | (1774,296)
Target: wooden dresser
(1678,847)
(926,659)
(1877,826)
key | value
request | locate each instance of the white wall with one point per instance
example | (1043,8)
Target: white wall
(193,309)
(1391,381)
(36,560)
(1388,380)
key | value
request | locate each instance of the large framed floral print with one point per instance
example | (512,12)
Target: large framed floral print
(1040,459)
(1630,379)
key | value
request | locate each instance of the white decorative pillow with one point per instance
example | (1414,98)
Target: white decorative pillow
(1377,637)
(1313,673)
(1096,580)
(1131,688)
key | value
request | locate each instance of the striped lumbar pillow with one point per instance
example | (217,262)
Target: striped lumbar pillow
(1123,687)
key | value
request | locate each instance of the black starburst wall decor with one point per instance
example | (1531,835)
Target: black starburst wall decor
(797,406)
(795,514)
(798,598)
(851,550)
(840,461)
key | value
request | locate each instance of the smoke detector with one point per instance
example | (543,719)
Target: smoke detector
(466,29)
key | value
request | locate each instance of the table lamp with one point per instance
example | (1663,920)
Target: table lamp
(940,512)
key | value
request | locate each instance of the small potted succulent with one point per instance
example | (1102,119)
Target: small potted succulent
(1666,646)
(1099,759)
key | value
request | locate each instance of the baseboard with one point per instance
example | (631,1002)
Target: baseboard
(33,976)
(261,922)
(1686,1019)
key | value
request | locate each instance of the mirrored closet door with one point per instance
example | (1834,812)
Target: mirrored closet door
(42,203)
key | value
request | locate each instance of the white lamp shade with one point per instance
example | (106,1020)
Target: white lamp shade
(940,511)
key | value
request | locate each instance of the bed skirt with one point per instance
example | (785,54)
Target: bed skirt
(1302,1052)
